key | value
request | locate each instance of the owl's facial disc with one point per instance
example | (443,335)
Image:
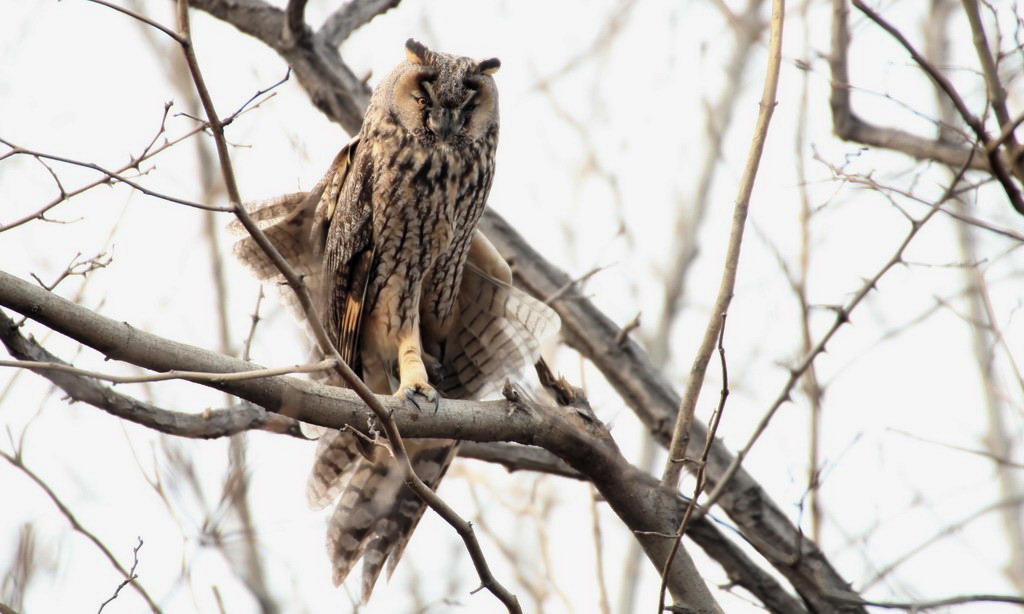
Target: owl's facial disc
(446,100)
(442,116)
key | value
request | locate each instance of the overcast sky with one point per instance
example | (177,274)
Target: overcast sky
(600,150)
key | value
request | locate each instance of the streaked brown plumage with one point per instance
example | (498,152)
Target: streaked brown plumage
(415,298)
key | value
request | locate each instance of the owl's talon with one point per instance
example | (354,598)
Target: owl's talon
(411,395)
(424,391)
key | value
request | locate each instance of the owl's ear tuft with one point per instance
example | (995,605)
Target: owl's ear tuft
(416,52)
(490,66)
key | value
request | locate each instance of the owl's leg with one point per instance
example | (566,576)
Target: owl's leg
(411,371)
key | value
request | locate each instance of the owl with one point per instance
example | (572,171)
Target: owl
(414,296)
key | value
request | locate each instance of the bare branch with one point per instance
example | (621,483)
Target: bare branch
(996,163)
(208,424)
(295,29)
(131,577)
(111,175)
(331,85)
(849,126)
(695,381)
(146,20)
(702,462)
(351,16)
(628,369)
(920,606)
(16,460)
(515,457)
(842,317)
(996,91)
(195,376)
(133,163)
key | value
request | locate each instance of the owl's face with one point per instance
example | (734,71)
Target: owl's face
(444,99)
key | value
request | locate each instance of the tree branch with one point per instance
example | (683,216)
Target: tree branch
(352,15)
(627,368)
(996,164)
(206,425)
(684,418)
(16,461)
(848,126)
(842,318)
(583,444)
(331,85)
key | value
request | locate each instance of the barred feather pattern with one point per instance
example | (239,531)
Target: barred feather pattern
(286,221)
(498,333)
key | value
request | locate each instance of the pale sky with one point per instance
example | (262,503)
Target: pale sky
(79,80)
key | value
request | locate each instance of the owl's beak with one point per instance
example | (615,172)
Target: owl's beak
(442,123)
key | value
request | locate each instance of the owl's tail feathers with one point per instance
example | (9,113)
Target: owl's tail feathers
(394,528)
(337,456)
(377,512)
(365,498)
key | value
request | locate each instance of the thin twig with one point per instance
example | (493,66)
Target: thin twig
(133,163)
(252,328)
(684,420)
(111,175)
(146,20)
(194,376)
(17,462)
(920,606)
(702,463)
(842,317)
(595,525)
(131,577)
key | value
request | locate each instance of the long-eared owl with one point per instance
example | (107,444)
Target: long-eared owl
(413,295)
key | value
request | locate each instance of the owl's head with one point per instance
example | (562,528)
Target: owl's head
(442,98)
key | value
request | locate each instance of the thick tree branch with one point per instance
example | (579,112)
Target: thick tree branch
(515,457)
(627,368)
(584,445)
(207,425)
(352,15)
(331,85)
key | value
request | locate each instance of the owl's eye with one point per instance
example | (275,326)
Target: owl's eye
(420,100)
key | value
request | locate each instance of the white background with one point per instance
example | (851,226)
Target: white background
(79,80)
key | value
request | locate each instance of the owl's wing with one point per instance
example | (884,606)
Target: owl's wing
(497,334)
(296,226)
(286,221)
(341,233)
